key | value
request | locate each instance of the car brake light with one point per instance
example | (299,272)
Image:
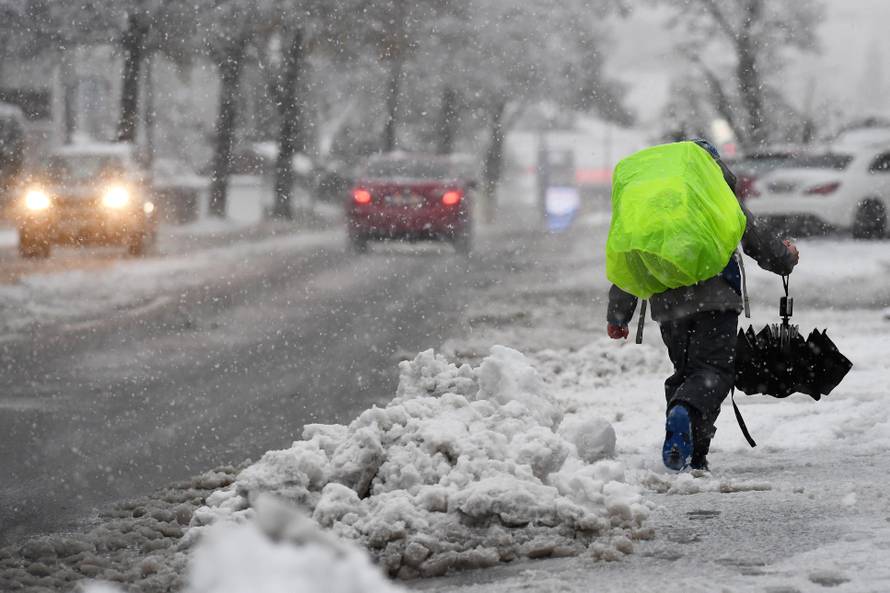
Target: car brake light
(824,189)
(451,198)
(361,196)
(746,188)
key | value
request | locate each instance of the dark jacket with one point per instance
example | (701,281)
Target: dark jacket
(720,293)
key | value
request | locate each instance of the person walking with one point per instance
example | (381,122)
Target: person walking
(699,327)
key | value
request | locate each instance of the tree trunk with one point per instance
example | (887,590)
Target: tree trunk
(494,161)
(69,95)
(133,43)
(446,131)
(390,142)
(230,75)
(289,136)
(749,81)
(4,44)
(149,115)
(395,53)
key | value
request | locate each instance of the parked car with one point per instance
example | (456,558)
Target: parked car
(411,197)
(833,188)
(86,194)
(753,165)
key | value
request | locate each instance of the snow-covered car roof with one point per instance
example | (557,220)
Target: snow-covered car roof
(121,149)
(856,152)
(416,165)
(862,138)
(772,150)
(169,172)
(8,111)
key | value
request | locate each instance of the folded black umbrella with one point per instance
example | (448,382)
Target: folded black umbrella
(777,361)
(832,366)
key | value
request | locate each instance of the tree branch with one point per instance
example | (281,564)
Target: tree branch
(721,101)
(514,114)
(714,9)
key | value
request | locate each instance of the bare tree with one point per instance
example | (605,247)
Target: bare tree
(511,59)
(756,33)
(230,61)
(289,137)
(398,30)
(167,27)
(133,45)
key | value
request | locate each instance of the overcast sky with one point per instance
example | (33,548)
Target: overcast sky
(849,73)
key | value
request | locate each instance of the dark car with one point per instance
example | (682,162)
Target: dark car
(750,167)
(411,197)
(86,194)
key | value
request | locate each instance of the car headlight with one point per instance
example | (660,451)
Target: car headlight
(37,199)
(148,207)
(116,197)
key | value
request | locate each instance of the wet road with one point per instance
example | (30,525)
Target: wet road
(113,406)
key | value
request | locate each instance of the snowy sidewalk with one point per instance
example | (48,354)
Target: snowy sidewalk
(807,509)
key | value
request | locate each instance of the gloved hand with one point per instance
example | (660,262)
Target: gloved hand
(792,249)
(617,332)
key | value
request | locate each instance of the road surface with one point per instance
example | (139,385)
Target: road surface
(115,404)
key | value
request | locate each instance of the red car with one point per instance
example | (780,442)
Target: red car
(411,197)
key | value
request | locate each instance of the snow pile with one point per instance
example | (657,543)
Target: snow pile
(280,551)
(284,552)
(466,467)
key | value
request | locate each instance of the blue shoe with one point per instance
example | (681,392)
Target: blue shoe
(677,450)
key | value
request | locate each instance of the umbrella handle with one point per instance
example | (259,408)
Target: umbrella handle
(786,303)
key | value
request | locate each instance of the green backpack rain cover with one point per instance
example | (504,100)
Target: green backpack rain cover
(675,221)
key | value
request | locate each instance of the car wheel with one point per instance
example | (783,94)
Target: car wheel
(870,221)
(358,244)
(31,246)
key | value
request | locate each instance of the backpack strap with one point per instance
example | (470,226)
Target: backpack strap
(741,421)
(642,321)
(745,302)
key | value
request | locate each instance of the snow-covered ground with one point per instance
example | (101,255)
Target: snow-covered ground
(529,450)
(466,467)
(805,510)
(126,283)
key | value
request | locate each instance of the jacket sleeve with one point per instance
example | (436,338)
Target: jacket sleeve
(766,247)
(759,242)
(621,306)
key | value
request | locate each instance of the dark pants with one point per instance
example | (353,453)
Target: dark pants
(702,348)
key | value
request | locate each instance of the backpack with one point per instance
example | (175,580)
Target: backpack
(675,221)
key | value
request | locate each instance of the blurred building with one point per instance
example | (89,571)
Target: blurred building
(595,146)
